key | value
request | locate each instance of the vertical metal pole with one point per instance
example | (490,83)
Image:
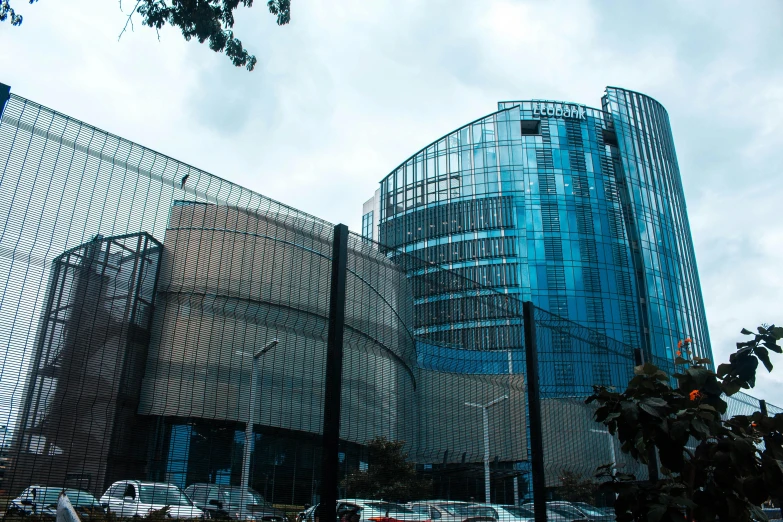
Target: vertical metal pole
(248,441)
(510,373)
(534,407)
(485,415)
(652,456)
(5,95)
(333,377)
(763,408)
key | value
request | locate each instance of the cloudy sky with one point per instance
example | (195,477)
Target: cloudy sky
(350,89)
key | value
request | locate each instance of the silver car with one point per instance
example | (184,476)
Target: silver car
(524,513)
(367,511)
(451,511)
(378,511)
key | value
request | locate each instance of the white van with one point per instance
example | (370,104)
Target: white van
(134,498)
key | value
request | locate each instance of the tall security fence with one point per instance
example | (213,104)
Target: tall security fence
(169,338)
(164,330)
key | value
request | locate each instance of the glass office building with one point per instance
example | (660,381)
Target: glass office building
(579,209)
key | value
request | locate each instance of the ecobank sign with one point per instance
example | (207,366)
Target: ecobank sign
(559,110)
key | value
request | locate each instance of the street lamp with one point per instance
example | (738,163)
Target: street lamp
(611,448)
(485,412)
(249,425)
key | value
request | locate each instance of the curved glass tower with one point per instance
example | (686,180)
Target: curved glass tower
(579,209)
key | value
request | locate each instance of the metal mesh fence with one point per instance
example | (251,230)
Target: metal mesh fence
(151,312)
(135,290)
(168,339)
(571,360)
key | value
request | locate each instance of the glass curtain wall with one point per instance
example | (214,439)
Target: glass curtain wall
(539,200)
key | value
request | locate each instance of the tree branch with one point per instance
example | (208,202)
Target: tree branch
(129,21)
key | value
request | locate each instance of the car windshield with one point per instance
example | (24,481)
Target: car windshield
(453,509)
(564,509)
(389,507)
(77,497)
(477,511)
(473,511)
(163,494)
(519,511)
(587,509)
(233,496)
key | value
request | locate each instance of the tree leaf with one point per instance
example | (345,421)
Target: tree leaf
(763,355)
(656,512)
(656,402)
(649,409)
(724,369)
(745,331)
(699,426)
(774,347)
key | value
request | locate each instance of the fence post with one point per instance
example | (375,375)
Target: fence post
(763,408)
(534,409)
(5,94)
(652,456)
(333,376)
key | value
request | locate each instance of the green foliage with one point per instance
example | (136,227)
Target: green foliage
(711,465)
(159,515)
(6,12)
(206,20)
(389,476)
(576,488)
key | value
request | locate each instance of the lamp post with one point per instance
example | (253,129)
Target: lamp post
(485,411)
(249,426)
(611,448)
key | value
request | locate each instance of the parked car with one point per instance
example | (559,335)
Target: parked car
(368,511)
(503,513)
(524,513)
(379,511)
(225,502)
(600,511)
(580,510)
(134,498)
(450,511)
(40,500)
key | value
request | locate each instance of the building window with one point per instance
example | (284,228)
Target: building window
(601,374)
(367,225)
(561,342)
(530,127)
(564,374)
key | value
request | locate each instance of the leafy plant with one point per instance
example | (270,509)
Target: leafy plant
(389,474)
(159,515)
(205,20)
(576,488)
(711,465)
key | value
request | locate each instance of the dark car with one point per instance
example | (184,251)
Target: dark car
(225,502)
(42,501)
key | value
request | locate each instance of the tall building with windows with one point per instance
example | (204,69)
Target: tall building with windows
(579,209)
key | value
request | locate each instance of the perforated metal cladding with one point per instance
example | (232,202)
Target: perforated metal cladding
(446,423)
(232,281)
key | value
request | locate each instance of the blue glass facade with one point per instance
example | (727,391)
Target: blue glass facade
(579,209)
